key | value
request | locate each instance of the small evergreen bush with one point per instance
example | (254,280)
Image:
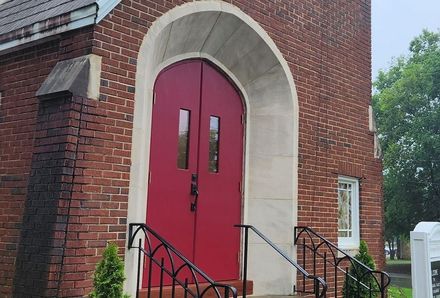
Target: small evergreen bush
(353,289)
(109,275)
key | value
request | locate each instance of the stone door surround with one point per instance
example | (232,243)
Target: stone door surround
(238,45)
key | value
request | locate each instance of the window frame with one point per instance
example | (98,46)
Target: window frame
(353,241)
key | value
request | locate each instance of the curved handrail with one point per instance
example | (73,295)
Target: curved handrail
(172,253)
(318,281)
(314,247)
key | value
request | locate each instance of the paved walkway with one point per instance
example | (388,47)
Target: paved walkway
(401,280)
(400,274)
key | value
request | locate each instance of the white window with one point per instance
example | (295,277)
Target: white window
(348,213)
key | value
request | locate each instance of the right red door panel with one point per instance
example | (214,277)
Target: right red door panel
(220,176)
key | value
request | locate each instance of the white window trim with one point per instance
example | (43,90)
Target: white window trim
(350,243)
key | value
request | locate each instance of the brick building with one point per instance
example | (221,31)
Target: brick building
(93,113)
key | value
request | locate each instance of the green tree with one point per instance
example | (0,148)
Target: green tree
(359,283)
(109,275)
(407,108)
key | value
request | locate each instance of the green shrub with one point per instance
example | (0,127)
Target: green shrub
(353,289)
(109,275)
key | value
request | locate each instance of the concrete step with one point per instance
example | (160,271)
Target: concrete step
(275,296)
(280,296)
(179,293)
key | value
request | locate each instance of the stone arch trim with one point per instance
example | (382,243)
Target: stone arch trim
(234,42)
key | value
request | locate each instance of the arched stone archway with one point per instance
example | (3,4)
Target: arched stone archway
(226,36)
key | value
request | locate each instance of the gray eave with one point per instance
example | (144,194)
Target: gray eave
(105,7)
(23,22)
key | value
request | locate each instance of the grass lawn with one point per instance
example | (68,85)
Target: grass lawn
(398,262)
(397,292)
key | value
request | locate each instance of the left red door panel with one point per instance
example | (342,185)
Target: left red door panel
(177,92)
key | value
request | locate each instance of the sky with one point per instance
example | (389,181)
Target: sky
(395,23)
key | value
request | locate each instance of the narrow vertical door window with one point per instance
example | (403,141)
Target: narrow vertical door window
(182,150)
(214,135)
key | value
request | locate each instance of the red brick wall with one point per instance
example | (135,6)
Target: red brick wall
(22,73)
(327,46)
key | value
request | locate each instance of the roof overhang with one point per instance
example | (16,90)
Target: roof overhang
(85,16)
(105,7)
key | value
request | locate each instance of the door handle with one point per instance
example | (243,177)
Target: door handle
(194,191)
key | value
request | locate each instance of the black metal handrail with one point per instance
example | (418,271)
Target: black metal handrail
(319,285)
(317,244)
(200,285)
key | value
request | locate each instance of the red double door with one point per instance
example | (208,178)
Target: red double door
(196,157)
